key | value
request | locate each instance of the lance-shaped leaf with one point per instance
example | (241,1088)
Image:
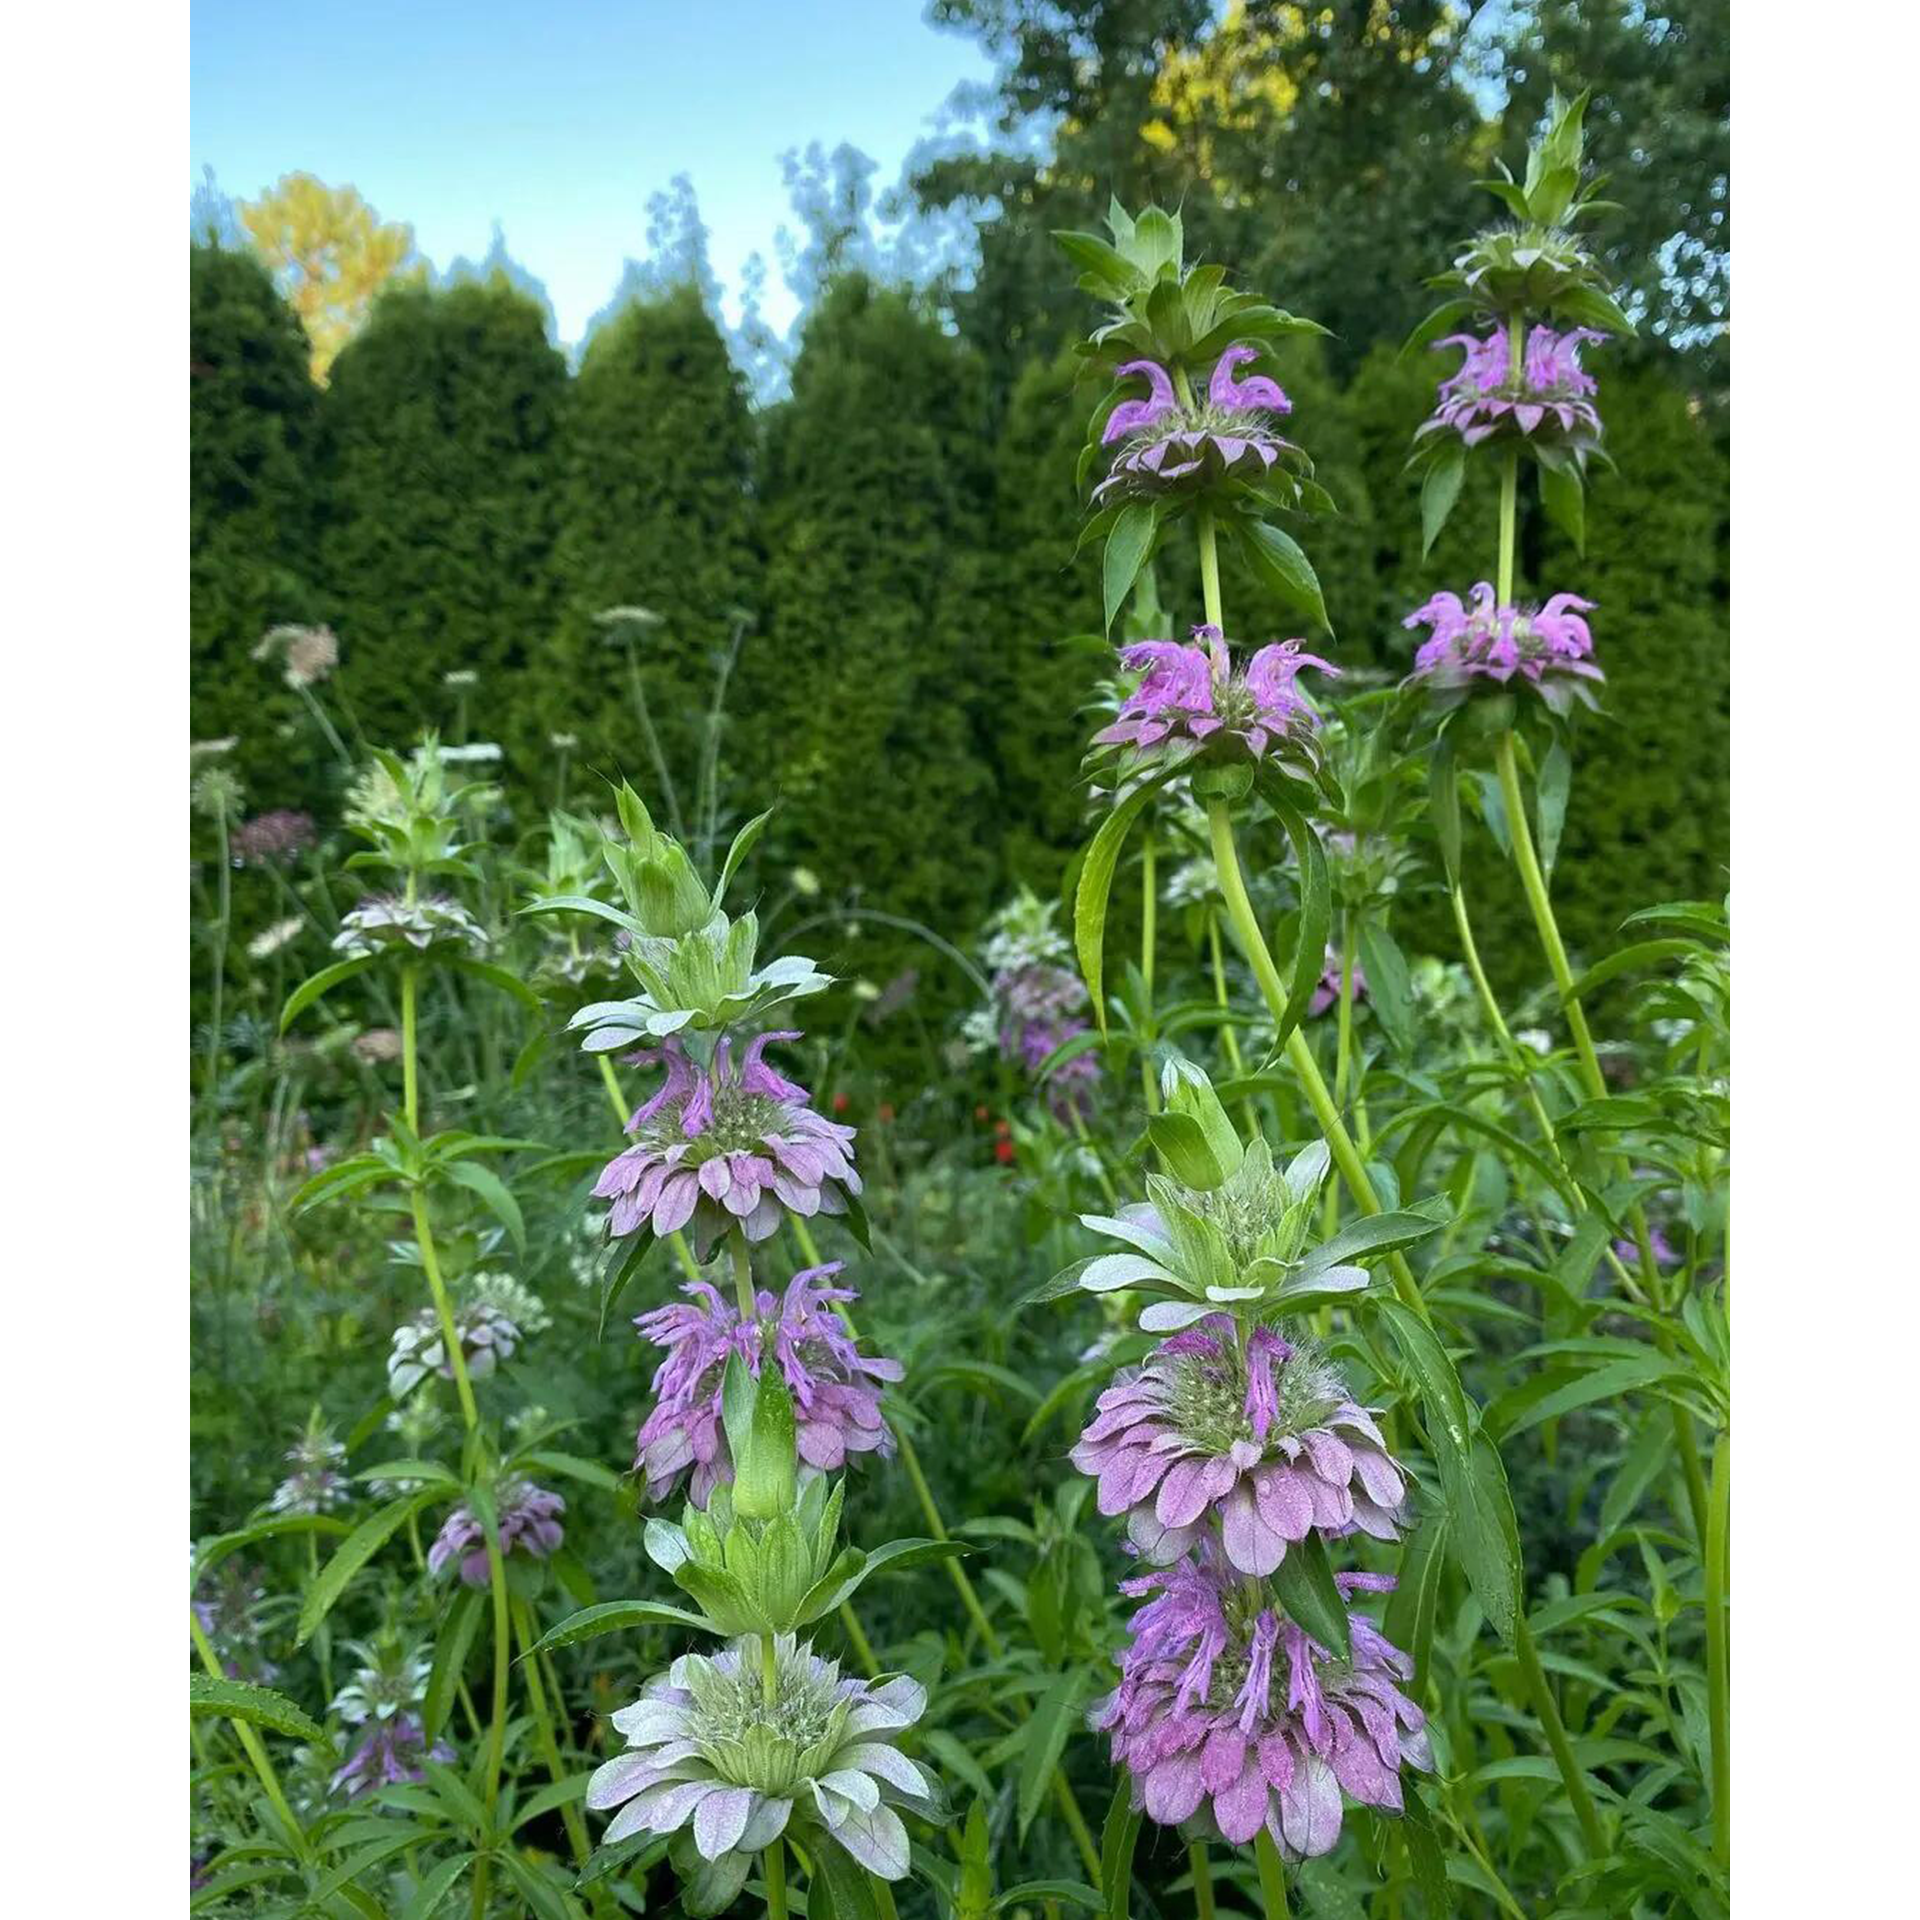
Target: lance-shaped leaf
(618,1616)
(253,1706)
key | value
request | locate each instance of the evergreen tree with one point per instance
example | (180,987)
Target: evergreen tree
(252,416)
(442,432)
(861,699)
(658,514)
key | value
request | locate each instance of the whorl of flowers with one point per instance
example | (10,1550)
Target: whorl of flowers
(1485,641)
(280,835)
(528,1524)
(1230,1716)
(386,920)
(1164,445)
(836,1403)
(1262,1437)
(486,1333)
(721,1145)
(710,1758)
(1551,389)
(1192,700)
(317,1483)
(389,1754)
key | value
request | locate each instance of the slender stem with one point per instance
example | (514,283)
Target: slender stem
(1548,1710)
(250,1740)
(443,1308)
(742,1275)
(1149,905)
(1509,478)
(659,759)
(1540,902)
(543,1725)
(1718,1673)
(409,1044)
(497,1728)
(1202,1879)
(1209,568)
(773,1865)
(1273,1876)
(221,929)
(862,1646)
(1228,1038)
(1253,943)
(969,1599)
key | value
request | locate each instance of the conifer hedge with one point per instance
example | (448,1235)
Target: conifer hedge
(910,688)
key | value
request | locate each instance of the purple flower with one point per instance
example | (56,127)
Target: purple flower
(1230,1714)
(387,920)
(1665,1254)
(280,835)
(1486,397)
(1191,699)
(1265,1437)
(1486,641)
(527,1525)
(1165,445)
(836,1406)
(1328,991)
(725,1146)
(390,1751)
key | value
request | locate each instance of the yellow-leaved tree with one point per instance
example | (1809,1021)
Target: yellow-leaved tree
(331,255)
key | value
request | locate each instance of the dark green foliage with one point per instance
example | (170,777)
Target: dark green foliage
(443,458)
(253,411)
(858,702)
(1648,818)
(1039,664)
(658,513)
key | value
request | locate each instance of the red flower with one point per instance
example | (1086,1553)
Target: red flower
(886,1111)
(839,1103)
(1003,1152)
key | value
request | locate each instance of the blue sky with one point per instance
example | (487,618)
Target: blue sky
(561,121)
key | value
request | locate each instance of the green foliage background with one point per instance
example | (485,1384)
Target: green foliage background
(893,538)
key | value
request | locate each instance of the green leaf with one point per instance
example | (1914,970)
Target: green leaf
(254,1706)
(1127,548)
(1117,1837)
(1090,896)
(1564,497)
(571,1467)
(1389,984)
(1550,802)
(1315,918)
(1093,257)
(844,1882)
(211,1552)
(493,1195)
(358,1863)
(1375,1233)
(497,977)
(353,1553)
(622,1264)
(435,1888)
(617,1616)
(1052,1720)
(1603,1383)
(450,1650)
(1441,320)
(1645,1460)
(546,1904)
(1076,1893)
(1424,1855)
(1646,953)
(738,851)
(308,991)
(1304,1583)
(585,903)
(1278,559)
(1482,1530)
(1439,492)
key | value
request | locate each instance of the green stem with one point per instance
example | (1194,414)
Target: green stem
(1540,903)
(862,1646)
(773,1865)
(1209,568)
(969,1599)
(1253,943)
(1718,1672)
(543,1724)
(250,1740)
(1149,905)
(1228,1038)
(1510,477)
(409,1044)
(1202,1879)
(659,759)
(742,1275)
(443,1309)
(1273,1876)
(497,1728)
(1548,1710)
